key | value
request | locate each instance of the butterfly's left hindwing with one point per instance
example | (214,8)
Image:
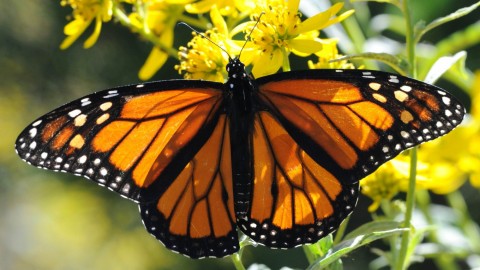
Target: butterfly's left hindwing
(125,138)
(194,215)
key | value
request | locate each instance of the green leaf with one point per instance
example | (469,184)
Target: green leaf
(320,248)
(350,244)
(394,62)
(372,227)
(416,237)
(452,16)
(443,64)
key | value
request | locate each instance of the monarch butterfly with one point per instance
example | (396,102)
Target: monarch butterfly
(279,157)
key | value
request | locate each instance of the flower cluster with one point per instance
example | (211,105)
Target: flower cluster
(280,32)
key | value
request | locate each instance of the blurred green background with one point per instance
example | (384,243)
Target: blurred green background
(56,221)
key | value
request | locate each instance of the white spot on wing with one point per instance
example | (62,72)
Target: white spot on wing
(36,123)
(394,80)
(406,88)
(404,134)
(33,145)
(446,100)
(82,159)
(74,113)
(97,161)
(32,132)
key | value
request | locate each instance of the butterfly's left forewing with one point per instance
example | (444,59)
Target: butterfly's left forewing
(125,138)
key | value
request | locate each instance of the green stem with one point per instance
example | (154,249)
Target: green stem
(410,40)
(402,255)
(341,231)
(401,262)
(286,61)
(237,261)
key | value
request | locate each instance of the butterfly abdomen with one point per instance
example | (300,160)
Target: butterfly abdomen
(239,108)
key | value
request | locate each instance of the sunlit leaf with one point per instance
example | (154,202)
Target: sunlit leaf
(443,64)
(350,244)
(398,64)
(450,17)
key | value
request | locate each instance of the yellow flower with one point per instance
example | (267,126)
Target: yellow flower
(158,22)
(384,184)
(329,52)
(204,58)
(225,7)
(84,13)
(280,31)
(393,177)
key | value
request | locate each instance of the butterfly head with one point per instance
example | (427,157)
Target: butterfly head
(235,68)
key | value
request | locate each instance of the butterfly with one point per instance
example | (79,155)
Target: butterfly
(279,157)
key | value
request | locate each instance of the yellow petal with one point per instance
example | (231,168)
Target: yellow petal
(339,18)
(199,7)
(305,47)
(476,95)
(267,63)
(316,22)
(94,36)
(154,62)
(244,6)
(475,180)
(336,8)
(218,21)
(74,31)
(157,57)
(107,11)
(74,26)
(322,19)
(293,6)
(248,55)
(177,2)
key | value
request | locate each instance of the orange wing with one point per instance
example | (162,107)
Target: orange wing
(318,132)
(128,138)
(294,199)
(351,121)
(194,215)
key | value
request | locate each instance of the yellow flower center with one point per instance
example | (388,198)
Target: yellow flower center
(203,59)
(274,28)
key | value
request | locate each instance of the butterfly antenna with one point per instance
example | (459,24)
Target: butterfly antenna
(205,37)
(250,34)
